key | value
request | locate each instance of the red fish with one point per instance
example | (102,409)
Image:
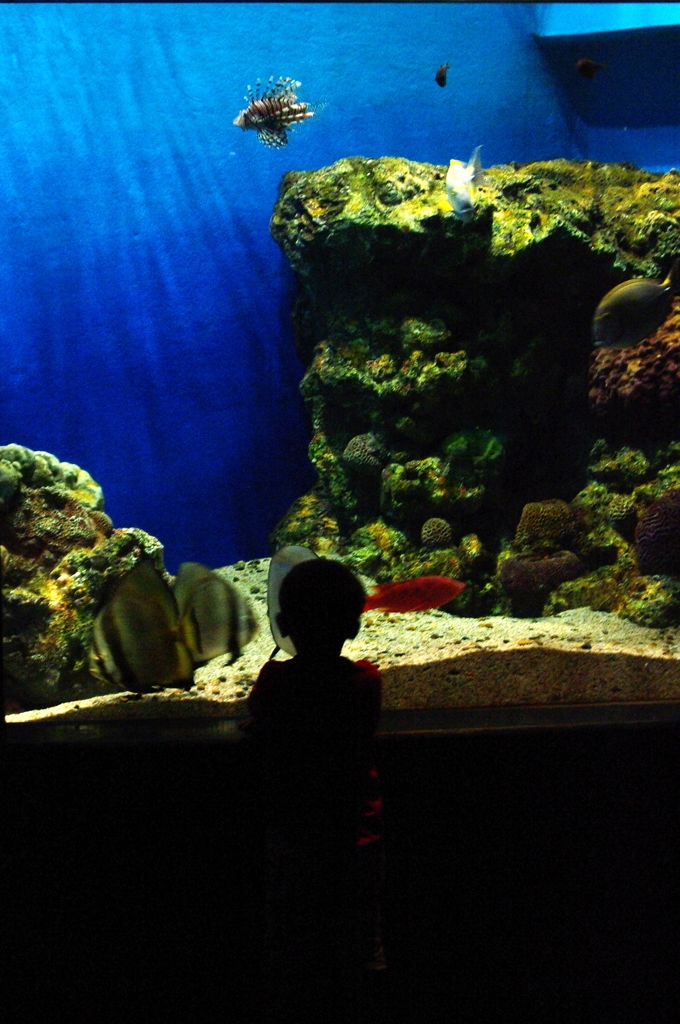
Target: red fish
(587,67)
(418,595)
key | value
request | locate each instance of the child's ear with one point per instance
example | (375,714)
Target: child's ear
(282,623)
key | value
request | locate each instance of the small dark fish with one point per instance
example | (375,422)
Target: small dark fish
(417,595)
(634,309)
(275,112)
(587,67)
(440,77)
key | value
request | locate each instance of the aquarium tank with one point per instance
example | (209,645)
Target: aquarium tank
(394,283)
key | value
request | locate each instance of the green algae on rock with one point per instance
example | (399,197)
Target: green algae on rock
(463,350)
(41,469)
(311,523)
(61,558)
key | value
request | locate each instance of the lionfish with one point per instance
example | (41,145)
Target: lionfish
(274,112)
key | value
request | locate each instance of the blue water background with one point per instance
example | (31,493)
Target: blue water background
(144,308)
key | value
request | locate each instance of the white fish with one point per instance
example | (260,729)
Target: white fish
(461,182)
(279,567)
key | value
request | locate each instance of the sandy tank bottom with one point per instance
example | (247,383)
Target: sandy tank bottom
(434,660)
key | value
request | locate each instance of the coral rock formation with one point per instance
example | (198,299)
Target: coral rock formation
(528,579)
(365,454)
(622,514)
(61,557)
(546,525)
(465,348)
(436,533)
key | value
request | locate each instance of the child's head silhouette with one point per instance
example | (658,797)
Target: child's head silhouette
(321,603)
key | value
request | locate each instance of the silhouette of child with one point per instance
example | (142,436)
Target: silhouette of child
(313,718)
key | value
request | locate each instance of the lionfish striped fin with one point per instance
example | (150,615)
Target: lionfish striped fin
(274,139)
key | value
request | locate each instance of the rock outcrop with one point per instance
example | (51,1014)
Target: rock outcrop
(448,369)
(60,557)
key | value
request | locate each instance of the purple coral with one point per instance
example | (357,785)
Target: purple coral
(657,536)
(528,579)
(642,381)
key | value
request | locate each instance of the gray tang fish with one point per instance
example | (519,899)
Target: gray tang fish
(148,636)
(634,309)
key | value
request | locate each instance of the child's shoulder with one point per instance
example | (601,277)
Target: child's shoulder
(361,671)
(273,670)
(366,669)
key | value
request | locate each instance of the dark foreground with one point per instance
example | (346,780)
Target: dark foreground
(531,876)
